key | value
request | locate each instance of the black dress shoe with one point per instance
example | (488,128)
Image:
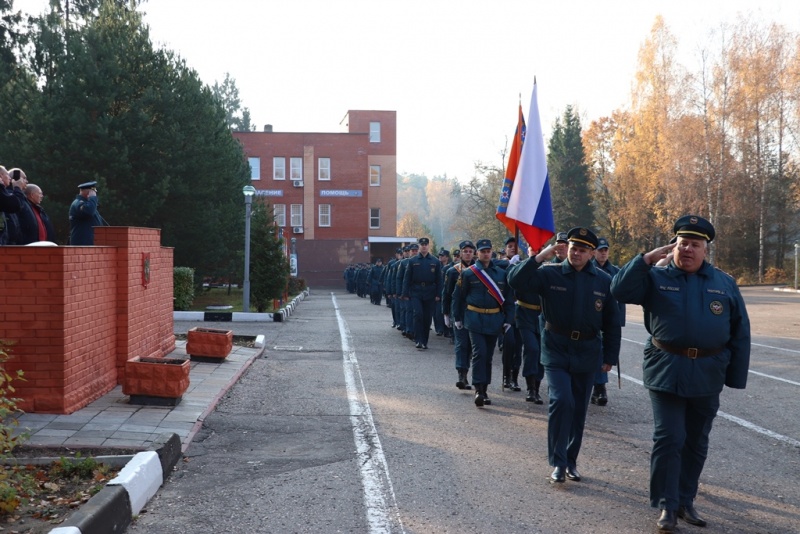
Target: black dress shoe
(689,514)
(573,474)
(668,521)
(558,474)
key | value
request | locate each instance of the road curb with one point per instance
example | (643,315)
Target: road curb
(113,508)
(222,317)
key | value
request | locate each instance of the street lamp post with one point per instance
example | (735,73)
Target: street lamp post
(796,246)
(248,191)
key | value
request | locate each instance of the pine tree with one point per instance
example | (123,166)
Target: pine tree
(569,174)
(269,267)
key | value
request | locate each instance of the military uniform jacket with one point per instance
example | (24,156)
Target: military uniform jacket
(376,276)
(83,217)
(387,277)
(612,270)
(423,277)
(470,291)
(450,279)
(704,310)
(571,300)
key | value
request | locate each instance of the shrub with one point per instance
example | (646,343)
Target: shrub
(9,499)
(775,276)
(296,285)
(183,288)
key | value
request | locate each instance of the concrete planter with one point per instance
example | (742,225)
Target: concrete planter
(209,344)
(156,381)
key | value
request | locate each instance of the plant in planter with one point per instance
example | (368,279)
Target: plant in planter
(209,344)
(156,381)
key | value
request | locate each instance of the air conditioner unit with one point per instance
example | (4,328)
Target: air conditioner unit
(297,230)
(297,183)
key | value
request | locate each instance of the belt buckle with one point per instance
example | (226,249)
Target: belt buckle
(575,335)
(691,353)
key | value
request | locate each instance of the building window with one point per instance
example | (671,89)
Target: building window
(255,168)
(374,217)
(325,169)
(374,132)
(297,215)
(296,168)
(324,214)
(374,175)
(279,211)
(278,168)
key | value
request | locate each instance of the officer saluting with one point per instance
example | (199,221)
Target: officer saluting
(700,341)
(578,308)
(422,283)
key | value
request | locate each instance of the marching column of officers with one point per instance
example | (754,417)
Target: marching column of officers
(559,313)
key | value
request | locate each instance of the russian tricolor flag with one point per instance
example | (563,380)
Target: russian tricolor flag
(529,204)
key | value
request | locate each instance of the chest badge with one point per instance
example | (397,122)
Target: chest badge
(598,305)
(716,307)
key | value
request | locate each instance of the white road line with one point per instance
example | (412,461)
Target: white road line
(775,348)
(379,499)
(732,418)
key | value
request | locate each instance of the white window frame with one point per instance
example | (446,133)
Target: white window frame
(296,212)
(374,175)
(279,212)
(324,169)
(374,132)
(279,168)
(373,216)
(296,169)
(325,215)
(255,168)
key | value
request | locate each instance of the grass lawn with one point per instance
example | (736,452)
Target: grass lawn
(219,296)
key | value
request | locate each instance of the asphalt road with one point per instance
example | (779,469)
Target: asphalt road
(342,426)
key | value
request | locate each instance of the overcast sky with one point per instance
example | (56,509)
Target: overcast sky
(453,70)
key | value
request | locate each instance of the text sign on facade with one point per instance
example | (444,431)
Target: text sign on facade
(340,193)
(269,192)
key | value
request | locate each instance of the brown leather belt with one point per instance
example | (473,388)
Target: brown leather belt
(470,307)
(691,353)
(534,307)
(575,335)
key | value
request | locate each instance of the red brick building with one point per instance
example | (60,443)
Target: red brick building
(335,194)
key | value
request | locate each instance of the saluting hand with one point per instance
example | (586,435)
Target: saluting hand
(659,253)
(548,252)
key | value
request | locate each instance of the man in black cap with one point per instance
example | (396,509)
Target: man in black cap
(463,349)
(600,260)
(11,203)
(481,304)
(561,252)
(578,309)
(422,285)
(388,283)
(83,216)
(375,282)
(699,343)
(406,314)
(511,342)
(438,315)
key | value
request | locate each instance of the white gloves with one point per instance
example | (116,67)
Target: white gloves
(514,259)
(506,326)
(459,325)
(447,321)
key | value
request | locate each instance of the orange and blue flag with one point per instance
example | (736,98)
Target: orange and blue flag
(529,203)
(511,173)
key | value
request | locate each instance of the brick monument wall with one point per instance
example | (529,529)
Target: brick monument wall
(75,315)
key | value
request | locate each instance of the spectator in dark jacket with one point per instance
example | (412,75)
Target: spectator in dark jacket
(34,223)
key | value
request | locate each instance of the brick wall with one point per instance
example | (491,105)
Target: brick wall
(76,314)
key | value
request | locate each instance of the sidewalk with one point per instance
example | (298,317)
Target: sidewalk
(111,421)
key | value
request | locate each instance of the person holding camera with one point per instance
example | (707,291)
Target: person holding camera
(11,201)
(83,216)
